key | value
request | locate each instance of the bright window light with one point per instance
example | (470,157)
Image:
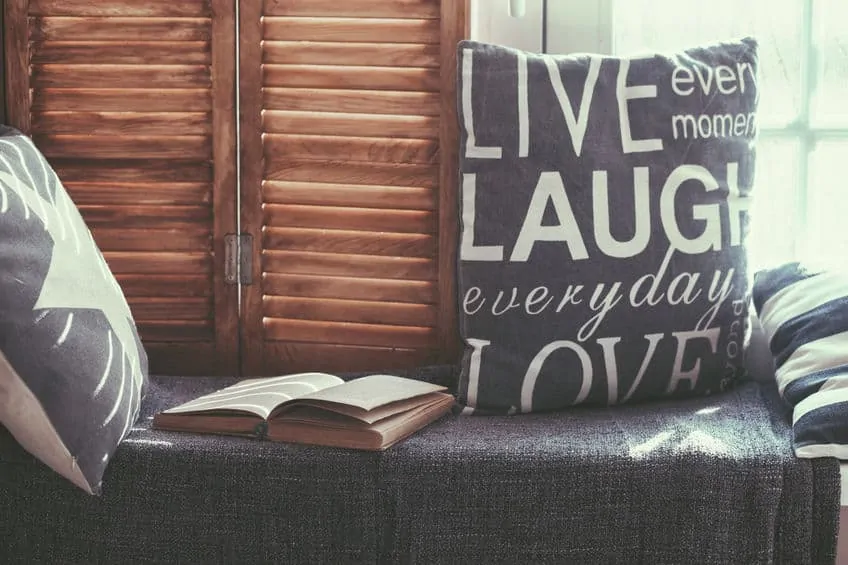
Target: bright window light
(800,198)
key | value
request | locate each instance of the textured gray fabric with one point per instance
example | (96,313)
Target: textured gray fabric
(185,498)
(604,214)
(65,327)
(705,480)
(708,480)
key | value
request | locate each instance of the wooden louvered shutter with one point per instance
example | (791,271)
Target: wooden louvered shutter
(132,102)
(349,149)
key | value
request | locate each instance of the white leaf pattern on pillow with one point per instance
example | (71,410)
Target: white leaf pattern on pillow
(68,286)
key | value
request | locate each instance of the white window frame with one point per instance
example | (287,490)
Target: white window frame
(575,26)
(549,26)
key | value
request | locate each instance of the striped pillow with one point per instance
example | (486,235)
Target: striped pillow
(804,314)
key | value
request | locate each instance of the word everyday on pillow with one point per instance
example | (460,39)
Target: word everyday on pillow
(604,207)
(72,368)
(804,312)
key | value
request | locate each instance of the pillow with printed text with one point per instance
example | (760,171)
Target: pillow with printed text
(604,205)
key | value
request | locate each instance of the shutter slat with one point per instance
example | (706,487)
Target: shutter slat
(344,358)
(146,239)
(142,124)
(418,292)
(196,148)
(170,308)
(344,241)
(334,310)
(354,125)
(353,8)
(361,54)
(121,53)
(391,174)
(404,221)
(170,331)
(159,193)
(367,149)
(333,76)
(153,217)
(161,8)
(158,263)
(121,76)
(363,101)
(366,196)
(348,265)
(121,172)
(140,285)
(119,29)
(346,333)
(351,30)
(120,100)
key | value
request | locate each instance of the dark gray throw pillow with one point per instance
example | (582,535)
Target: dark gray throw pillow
(72,368)
(604,206)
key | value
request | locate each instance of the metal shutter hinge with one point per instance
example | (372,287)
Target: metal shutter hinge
(238,258)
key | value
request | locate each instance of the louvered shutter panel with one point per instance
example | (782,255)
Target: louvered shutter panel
(348,182)
(133,102)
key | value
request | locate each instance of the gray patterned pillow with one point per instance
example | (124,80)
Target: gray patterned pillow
(72,368)
(604,213)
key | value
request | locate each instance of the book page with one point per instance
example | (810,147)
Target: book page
(259,396)
(307,425)
(373,391)
(360,414)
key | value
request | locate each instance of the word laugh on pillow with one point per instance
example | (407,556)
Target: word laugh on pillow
(721,218)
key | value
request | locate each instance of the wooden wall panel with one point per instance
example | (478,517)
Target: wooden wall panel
(133,103)
(349,152)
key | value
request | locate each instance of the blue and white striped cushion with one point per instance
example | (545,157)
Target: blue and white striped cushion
(804,314)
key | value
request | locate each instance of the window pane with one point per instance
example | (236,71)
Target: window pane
(827,238)
(640,25)
(831,44)
(774,217)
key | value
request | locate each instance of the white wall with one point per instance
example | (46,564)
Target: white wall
(572,25)
(491,22)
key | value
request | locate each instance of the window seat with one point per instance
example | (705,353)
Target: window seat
(708,480)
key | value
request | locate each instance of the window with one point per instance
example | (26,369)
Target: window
(799,203)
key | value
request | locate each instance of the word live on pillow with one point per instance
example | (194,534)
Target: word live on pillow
(604,207)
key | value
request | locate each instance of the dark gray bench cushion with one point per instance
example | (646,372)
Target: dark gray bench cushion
(698,481)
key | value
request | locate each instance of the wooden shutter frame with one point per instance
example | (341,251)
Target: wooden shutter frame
(246,340)
(453,27)
(220,355)
(225,190)
(251,151)
(15,41)
(2,64)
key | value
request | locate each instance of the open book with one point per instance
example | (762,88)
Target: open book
(370,412)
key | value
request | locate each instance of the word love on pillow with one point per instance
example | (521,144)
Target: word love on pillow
(604,206)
